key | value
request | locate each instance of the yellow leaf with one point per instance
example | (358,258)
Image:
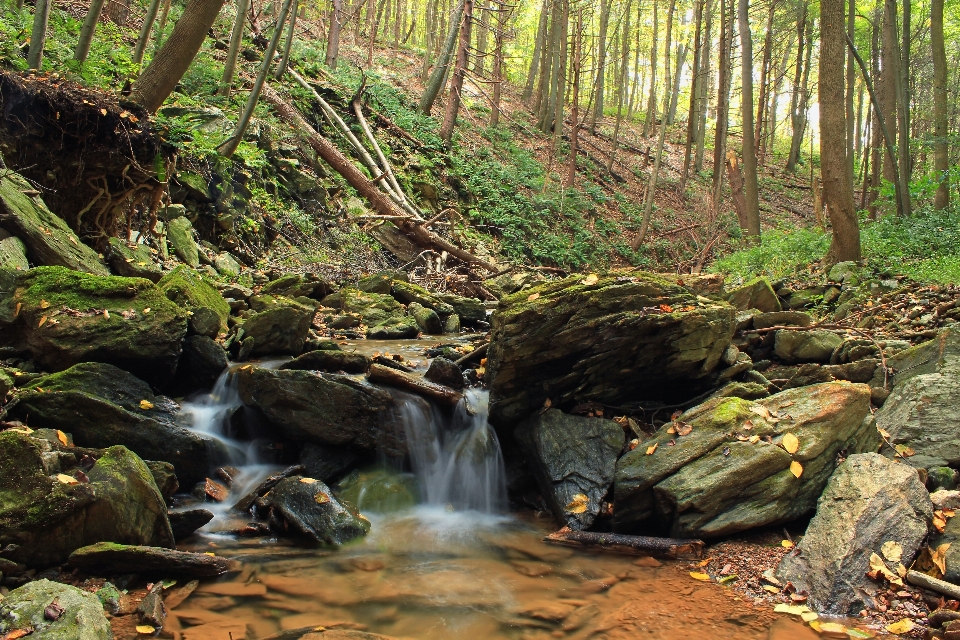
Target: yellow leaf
(696,575)
(16,311)
(892,550)
(860,634)
(833,630)
(939,521)
(883,432)
(754,439)
(532,297)
(308,480)
(578,504)
(106,314)
(815,625)
(761,411)
(651,449)
(792,609)
(65,479)
(321,498)
(146,405)
(146,310)
(103,112)
(796,468)
(209,553)
(43,321)
(62,437)
(791,443)
(786,544)
(145,629)
(899,628)
(904,450)
(44,304)
(771,588)
(939,557)
(590,279)
(808,616)
(879,568)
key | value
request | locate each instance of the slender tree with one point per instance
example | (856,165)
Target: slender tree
(651,116)
(333,35)
(439,74)
(537,52)
(798,118)
(503,15)
(597,113)
(459,73)
(236,39)
(38,37)
(750,189)
(940,105)
(86,32)
(152,10)
(288,45)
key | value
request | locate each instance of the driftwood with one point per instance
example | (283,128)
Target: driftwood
(380,202)
(407,382)
(479,352)
(632,545)
(940,586)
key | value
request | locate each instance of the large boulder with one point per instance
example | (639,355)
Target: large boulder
(868,502)
(573,459)
(427,319)
(385,317)
(201,363)
(184,245)
(64,317)
(48,514)
(326,409)
(330,360)
(756,294)
(132,260)
(281,329)
(578,340)
(307,508)
(193,292)
(102,405)
(409,293)
(732,471)
(48,239)
(25,610)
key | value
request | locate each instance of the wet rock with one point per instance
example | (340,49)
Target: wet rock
(78,615)
(384,316)
(806,346)
(13,254)
(378,490)
(325,409)
(165,477)
(204,322)
(102,405)
(868,501)
(48,239)
(132,260)
(469,310)
(329,360)
(47,514)
(185,523)
(394,329)
(66,317)
(452,324)
(307,508)
(756,294)
(427,319)
(151,609)
(201,363)
(327,463)
(281,330)
(180,236)
(573,459)
(782,319)
(844,272)
(409,293)
(715,481)
(601,342)
(107,558)
(445,372)
(193,292)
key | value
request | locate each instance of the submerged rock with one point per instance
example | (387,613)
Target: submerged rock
(109,558)
(573,459)
(53,611)
(869,501)
(732,471)
(570,342)
(307,508)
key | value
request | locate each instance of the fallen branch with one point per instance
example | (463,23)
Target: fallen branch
(476,353)
(632,545)
(414,384)
(940,586)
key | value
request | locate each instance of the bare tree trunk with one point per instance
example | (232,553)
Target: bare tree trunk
(145,30)
(940,105)
(538,47)
(723,101)
(903,123)
(503,14)
(797,120)
(597,113)
(483,31)
(236,40)
(459,73)
(752,230)
(577,58)
(172,61)
(851,32)
(682,50)
(764,84)
(373,26)
(693,115)
(288,45)
(86,32)
(429,26)
(651,116)
(38,37)
(435,83)
(704,85)
(333,35)
(164,13)
(621,85)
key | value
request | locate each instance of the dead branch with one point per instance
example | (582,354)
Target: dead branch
(632,545)
(393,377)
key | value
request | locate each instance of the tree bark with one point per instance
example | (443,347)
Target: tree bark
(651,116)
(86,32)
(621,85)
(333,35)
(941,198)
(288,45)
(439,74)
(38,37)
(236,40)
(693,114)
(723,101)
(736,189)
(538,47)
(571,178)
(751,196)
(145,30)
(172,61)
(704,84)
(631,545)
(483,33)
(764,83)
(459,73)
(503,14)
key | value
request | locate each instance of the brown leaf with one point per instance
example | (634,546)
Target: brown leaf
(579,504)
(532,297)
(683,429)
(215,490)
(790,443)
(939,521)
(651,449)
(939,558)
(17,633)
(590,279)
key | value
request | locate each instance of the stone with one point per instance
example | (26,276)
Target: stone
(281,330)
(394,329)
(756,294)
(941,478)
(325,462)
(111,558)
(743,363)
(82,616)
(102,405)
(329,360)
(571,343)
(13,254)
(380,283)
(729,356)
(48,239)
(379,490)
(922,413)
(385,317)
(858,371)
(853,349)
(806,375)
(445,372)
(184,245)
(6,384)
(573,459)
(310,511)
(409,293)
(712,483)
(745,390)
(202,362)
(47,518)
(427,319)
(324,408)
(132,260)
(512,282)
(806,346)
(868,501)
(226,264)
(809,297)
(843,272)
(452,324)
(185,523)
(172,211)
(165,477)
(193,291)
(782,319)
(204,322)
(66,317)
(470,310)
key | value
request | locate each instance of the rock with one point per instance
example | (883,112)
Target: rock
(859,371)
(132,260)
(151,610)
(745,390)
(379,283)
(378,490)
(782,319)
(281,330)
(806,375)
(756,294)
(102,405)
(327,360)
(192,291)
(394,329)
(729,356)
(6,384)
(311,511)
(445,372)
(325,409)
(185,523)
(66,317)
(78,614)
(573,459)
(868,501)
(806,346)
(600,342)
(944,499)
(325,462)
(48,518)
(712,483)
(844,272)
(204,322)
(452,324)
(808,297)
(922,414)
(180,237)
(165,477)
(48,239)
(510,283)
(427,319)
(13,254)
(108,558)
(409,293)
(469,310)
(853,349)
(226,264)
(384,316)
(743,363)
(202,362)
(941,478)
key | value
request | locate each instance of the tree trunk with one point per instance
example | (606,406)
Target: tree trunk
(428,36)
(940,105)
(723,101)
(459,73)
(538,47)
(236,40)
(145,30)
(333,36)
(851,32)
(764,83)
(38,37)
(483,32)
(86,32)
(621,85)
(503,14)
(837,188)
(571,179)
(693,114)
(651,117)
(164,12)
(797,121)
(172,61)
(704,84)
(439,74)
(288,45)
(897,74)
(682,51)
(752,217)
(735,177)
(597,113)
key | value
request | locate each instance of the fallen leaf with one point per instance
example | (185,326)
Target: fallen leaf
(792,609)
(103,112)
(808,616)
(651,449)
(754,439)
(106,314)
(44,304)
(53,611)
(892,550)
(796,468)
(860,634)
(904,450)
(62,437)
(209,553)
(696,575)
(666,308)
(790,443)
(771,588)
(590,279)
(16,311)
(532,297)
(786,544)
(146,309)
(65,479)
(579,504)
(761,411)
(308,480)
(832,630)
(939,521)
(18,633)
(879,568)
(939,557)
(728,579)
(321,498)
(146,405)
(683,429)
(883,432)
(42,322)
(145,629)
(899,628)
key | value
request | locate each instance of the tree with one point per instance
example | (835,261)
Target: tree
(723,100)
(144,38)
(439,74)
(837,188)
(86,32)
(651,116)
(940,105)
(503,14)
(798,98)
(751,215)
(288,45)
(236,39)
(459,73)
(333,35)
(597,113)
(538,47)
(38,36)
(172,61)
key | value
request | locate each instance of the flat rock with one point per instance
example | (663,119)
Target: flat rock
(806,346)
(329,360)
(756,294)
(109,558)
(184,245)
(132,260)
(185,523)
(82,618)
(782,319)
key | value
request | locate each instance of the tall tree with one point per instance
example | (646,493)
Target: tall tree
(597,113)
(233,53)
(86,32)
(459,73)
(896,62)
(751,215)
(38,37)
(288,44)
(651,117)
(142,41)
(499,35)
(333,35)
(439,74)
(798,97)
(940,105)
(723,100)
(538,47)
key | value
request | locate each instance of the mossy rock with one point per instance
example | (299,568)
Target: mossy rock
(379,490)
(133,261)
(396,328)
(279,330)
(82,619)
(180,237)
(373,308)
(192,291)
(13,254)
(427,319)
(407,293)
(470,310)
(66,317)
(310,511)
(329,360)
(756,294)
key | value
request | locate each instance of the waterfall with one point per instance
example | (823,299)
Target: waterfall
(209,414)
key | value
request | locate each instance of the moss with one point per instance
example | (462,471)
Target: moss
(409,293)
(190,290)
(62,287)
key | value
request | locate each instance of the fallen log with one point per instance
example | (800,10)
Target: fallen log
(380,202)
(631,545)
(933,584)
(407,382)
(479,352)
